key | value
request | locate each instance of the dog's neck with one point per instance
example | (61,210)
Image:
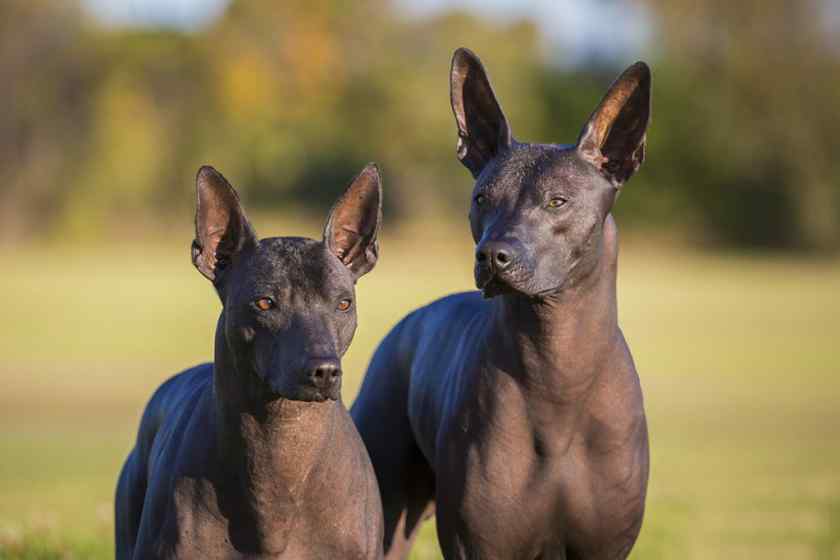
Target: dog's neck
(561,340)
(267,447)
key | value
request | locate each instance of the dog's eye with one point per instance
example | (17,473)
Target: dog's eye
(345,304)
(264,304)
(479,199)
(556,202)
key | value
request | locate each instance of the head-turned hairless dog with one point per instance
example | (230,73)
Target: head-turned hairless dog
(255,455)
(517,417)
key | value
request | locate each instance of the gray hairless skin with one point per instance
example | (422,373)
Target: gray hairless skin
(518,417)
(255,455)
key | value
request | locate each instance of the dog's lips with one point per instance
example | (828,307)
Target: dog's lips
(315,396)
(320,396)
(305,393)
(493,285)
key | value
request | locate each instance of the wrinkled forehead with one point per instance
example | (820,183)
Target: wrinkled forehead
(536,167)
(293,266)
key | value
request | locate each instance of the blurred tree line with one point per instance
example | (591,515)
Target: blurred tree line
(105,127)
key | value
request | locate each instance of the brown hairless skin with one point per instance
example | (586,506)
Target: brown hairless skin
(255,455)
(518,417)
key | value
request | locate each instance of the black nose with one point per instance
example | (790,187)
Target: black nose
(497,255)
(325,374)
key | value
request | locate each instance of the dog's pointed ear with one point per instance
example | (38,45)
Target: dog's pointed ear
(483,130)
(614,138)
(222,231)
(353,226)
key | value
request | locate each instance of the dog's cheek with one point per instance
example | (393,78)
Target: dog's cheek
(552,278)
(248,334)
(475,225)
(258,350)
(587,253)
(554,266)
(346,332)
(242,339)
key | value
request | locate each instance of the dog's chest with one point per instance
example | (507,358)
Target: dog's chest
(522,498)
(207,519)
(203,522)
(509,500)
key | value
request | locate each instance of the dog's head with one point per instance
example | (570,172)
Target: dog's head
(538,210)
(289,310)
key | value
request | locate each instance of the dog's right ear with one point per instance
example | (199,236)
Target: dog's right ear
(222,231)
(483,130)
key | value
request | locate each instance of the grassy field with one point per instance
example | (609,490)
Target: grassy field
(739,357)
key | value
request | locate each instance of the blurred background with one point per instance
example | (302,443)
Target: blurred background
(729,273)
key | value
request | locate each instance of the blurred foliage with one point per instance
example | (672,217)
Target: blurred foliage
(290,99)
(747,105)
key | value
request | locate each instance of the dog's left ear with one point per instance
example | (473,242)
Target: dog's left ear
(353,226)
(614,138)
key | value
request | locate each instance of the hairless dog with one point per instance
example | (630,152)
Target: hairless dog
(255,454)
(518,417)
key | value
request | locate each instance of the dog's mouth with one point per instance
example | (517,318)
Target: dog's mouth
(492,283)
(304,394)
(311,394)
(270,391)
(495,286)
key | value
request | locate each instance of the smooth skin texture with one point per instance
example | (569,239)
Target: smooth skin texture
(255,455)
(517,416)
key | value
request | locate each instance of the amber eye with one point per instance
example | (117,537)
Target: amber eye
(479,199)
(344,304)
(556,202)
(264,304)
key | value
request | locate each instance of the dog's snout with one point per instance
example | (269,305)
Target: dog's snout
(495,254)
(324,374)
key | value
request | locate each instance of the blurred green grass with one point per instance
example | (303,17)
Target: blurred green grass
(738,356)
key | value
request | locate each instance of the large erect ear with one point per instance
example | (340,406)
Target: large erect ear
(614,138)
(483,130)
(352,228)
(222,230)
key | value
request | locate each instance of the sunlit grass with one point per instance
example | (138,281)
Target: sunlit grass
(738,357)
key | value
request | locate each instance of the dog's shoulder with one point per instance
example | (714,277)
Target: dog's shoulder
(181,386)
(173,395)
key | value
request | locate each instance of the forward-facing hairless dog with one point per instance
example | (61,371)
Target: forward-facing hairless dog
(518,417)
(255,455)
